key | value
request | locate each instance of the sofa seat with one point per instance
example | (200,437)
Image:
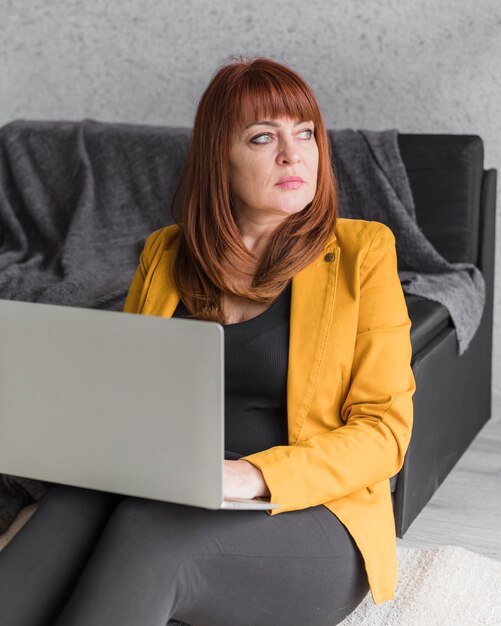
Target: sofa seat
(428,319)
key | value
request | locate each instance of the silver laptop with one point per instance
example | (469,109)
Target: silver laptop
(118,402)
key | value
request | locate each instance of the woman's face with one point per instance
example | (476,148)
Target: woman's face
(264,156)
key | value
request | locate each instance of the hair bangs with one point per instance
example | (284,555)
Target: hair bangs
(262,96)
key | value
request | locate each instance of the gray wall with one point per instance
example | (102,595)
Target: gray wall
(417,65)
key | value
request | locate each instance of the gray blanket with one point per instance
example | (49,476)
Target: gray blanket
(77,200)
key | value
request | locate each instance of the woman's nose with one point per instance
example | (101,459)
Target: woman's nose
(288,152)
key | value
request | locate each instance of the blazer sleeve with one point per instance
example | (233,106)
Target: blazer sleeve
(138,290)
(377,412)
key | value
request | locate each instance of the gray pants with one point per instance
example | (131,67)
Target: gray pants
(92,559)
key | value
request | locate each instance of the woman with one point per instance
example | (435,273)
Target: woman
(318,388)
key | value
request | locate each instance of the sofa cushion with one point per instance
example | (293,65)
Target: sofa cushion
(428,319)
(445,174)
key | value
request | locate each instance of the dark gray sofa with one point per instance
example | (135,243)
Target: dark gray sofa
(455,202)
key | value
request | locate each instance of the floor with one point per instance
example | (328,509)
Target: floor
(466,509)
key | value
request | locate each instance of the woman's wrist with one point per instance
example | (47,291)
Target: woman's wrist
(243,480)
(257,478)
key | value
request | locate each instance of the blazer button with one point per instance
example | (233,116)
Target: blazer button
(329,257)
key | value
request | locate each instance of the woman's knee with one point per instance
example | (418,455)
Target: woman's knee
(131,517)
(171,528)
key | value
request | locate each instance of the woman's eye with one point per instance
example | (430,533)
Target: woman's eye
(266,137)
(309,131)
(258,138)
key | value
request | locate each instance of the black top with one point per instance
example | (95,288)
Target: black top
(256,355)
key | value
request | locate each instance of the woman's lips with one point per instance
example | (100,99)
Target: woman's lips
(290,184)
(293,184)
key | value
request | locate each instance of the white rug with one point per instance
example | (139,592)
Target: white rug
(443,586)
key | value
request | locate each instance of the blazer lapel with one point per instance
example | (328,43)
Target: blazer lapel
(312,313)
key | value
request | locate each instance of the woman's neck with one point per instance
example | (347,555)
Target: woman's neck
(256,233)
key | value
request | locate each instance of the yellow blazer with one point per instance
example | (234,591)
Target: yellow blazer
(349,387)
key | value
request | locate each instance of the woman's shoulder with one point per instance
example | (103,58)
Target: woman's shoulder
(361,233)
(161,240)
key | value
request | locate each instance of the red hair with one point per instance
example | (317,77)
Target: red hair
(242,91)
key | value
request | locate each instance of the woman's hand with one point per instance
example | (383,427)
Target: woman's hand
(241,479)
